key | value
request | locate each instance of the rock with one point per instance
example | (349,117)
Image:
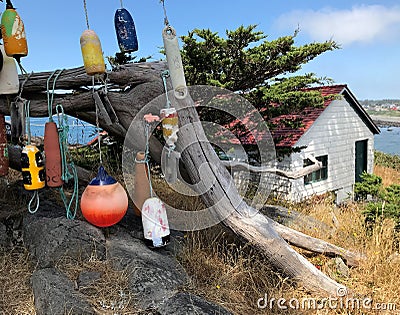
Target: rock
(155,275)
(340,267)
(54,294)
(87,278)
(187,304)
(4,239)
(49,239)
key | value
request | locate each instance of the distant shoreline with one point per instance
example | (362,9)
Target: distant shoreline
(386,121)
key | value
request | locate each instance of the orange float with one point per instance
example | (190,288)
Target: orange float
(53,155)
(13,33)
(104,201)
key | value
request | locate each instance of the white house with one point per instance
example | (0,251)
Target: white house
(340,135)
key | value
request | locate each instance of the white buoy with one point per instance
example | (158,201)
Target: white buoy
(9,82)
(174,62)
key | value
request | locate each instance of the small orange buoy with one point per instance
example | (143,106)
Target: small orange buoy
(3,147)
(142,189)
(104,201)
(92,53)
(53,155)
(13,32)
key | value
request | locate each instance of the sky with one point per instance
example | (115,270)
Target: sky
(367,31)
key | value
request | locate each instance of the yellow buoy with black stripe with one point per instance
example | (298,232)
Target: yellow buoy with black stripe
(32,165)
(92,53)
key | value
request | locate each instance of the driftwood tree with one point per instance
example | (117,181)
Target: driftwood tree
(130,88)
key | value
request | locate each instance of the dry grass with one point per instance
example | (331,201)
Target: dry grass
(16,295)
(389,176)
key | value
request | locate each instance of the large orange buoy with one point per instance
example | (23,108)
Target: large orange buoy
(3,147)
(142,189)
(92,53)
(53,155)
(13,32)
(104,201)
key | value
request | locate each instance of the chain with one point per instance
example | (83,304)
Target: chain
(147,155)
(164,76)
(86,14)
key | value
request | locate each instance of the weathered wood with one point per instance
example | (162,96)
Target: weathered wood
(222,198)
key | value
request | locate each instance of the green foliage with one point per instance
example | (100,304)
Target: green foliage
(387,160)
(386,202)
(260,70)
(371,184)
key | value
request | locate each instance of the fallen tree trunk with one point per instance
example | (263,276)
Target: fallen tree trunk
(131,88)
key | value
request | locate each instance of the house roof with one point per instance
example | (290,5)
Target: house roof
(287,136)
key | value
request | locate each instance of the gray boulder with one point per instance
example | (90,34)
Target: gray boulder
(188,304)
(49,239)
(155,275)
(55,295)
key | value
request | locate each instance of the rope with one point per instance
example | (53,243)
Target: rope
(166,22)
(147,155)
(86,14)
(27,120)
(122,5)
(35,197)
(98,125)
(164,76)
(51,98)
(63,129)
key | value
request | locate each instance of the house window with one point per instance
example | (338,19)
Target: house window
(319,175)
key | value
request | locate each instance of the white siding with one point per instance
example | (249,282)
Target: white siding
(334,133)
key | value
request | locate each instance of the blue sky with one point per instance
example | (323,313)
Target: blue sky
(368,31)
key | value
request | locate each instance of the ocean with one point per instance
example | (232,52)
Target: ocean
(80,132)
(388,141)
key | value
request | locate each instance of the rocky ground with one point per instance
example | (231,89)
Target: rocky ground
(155,278)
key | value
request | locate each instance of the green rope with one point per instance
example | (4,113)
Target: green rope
(66,175)
(50,96)
(164,76)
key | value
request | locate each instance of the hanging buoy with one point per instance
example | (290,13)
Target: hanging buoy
(13,33)
(53,155)
(92,53)
(3,147)
(142,189)
(174,62)
(9,82)
(155,223)
(170,126)
(126,31)
(32,165)
(104,201)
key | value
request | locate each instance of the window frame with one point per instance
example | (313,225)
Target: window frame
(319,175)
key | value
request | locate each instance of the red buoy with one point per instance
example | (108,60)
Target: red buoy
(104,201)
(3,147)
(53,155)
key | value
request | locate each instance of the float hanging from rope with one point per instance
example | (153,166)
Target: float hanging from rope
(154,214)
(104,201)
(13,33)
(9,82)
(174,62)
(52,143)
(126,31)
(170,125)
(3,147)
(92,52)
